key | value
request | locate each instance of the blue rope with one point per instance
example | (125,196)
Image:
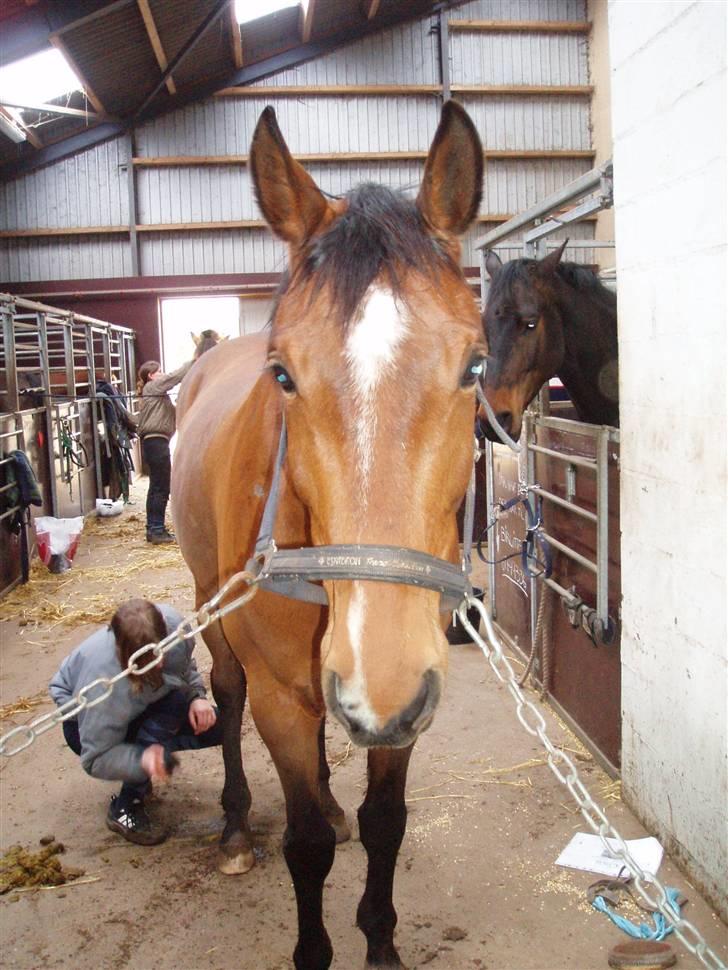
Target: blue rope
(659,931)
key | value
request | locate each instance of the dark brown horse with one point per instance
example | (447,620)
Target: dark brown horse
(372,357)
(545,318)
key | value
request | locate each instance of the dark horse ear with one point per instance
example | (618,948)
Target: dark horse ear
(453,181)
(493,263)
(288,197)
(547,265)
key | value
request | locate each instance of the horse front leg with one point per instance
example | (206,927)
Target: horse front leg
(333,812)
(229,689)
(292,737)
(382,824)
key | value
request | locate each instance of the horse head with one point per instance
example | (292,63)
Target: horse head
(206,340)
(525,336)
(374,351)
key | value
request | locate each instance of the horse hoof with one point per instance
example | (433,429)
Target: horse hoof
(235,856)
(235,865)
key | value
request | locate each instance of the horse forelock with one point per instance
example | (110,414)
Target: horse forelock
(381,235)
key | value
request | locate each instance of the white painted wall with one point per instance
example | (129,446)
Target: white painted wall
(669,121)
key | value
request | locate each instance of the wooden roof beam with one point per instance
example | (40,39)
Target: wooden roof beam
(372,8)
(30,135)
(155,41)
(237,45)
(308,12)
(58,43)
(53,109)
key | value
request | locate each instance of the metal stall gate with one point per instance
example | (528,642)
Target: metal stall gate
(570,471)
(50,363)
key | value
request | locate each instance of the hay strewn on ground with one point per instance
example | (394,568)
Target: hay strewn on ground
(90,594)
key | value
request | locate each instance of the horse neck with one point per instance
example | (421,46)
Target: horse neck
(590,345)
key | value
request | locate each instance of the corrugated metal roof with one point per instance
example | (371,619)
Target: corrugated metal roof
(114,55)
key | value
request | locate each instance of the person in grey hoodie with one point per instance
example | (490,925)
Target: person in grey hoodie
(156,425)
(131,736)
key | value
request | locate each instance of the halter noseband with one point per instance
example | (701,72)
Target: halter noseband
(291,572)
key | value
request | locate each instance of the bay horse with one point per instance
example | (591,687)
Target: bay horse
(372,357)
(544,318)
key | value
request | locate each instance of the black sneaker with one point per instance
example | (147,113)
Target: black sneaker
(133,823)
(160,538)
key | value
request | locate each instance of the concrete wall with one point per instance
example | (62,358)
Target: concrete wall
(669,120)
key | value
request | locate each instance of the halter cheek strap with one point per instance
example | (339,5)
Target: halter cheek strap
(293,572)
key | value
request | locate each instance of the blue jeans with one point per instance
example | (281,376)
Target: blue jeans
(164,722)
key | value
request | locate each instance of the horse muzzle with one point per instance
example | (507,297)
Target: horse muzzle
(367,730)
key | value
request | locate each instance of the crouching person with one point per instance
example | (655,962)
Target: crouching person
(132,735)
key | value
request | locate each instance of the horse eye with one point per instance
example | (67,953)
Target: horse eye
(283,378)
(531,324)
(473,372)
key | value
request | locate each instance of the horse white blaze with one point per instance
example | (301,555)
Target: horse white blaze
(353,694)
(371,349)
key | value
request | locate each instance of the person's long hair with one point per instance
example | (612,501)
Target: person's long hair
(148,367)
(136,623)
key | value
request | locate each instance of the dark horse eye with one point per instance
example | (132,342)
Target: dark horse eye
(473,372)
(283,378)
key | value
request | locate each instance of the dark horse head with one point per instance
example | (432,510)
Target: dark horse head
(542,318)
(206,340)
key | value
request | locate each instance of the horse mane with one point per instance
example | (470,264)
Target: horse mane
(576,275)
(585,279)
(381,230)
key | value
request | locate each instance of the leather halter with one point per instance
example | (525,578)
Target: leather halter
(291,572)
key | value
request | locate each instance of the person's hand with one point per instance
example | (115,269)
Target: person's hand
(202,715)
(153,763)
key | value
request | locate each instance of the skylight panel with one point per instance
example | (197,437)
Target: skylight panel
(37,79)
(247,10)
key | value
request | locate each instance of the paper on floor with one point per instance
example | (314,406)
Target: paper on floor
(587,852)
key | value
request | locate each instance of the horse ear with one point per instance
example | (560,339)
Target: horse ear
(547,265)
(453,181)
(195,339)
(493,264)
(288,197)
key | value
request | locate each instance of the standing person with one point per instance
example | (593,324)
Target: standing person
(156,425)
(131,735)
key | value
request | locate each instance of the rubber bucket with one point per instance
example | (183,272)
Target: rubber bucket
(456,632)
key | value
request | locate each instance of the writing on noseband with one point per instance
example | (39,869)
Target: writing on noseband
(339,560)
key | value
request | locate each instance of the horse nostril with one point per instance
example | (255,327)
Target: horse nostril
(425,702)
(505,420)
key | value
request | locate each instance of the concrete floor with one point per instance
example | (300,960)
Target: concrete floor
(476,884)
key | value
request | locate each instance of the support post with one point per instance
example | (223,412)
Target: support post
(131,189)
(443,42)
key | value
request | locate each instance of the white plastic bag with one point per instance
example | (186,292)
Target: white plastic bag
(106,506)
(57,541)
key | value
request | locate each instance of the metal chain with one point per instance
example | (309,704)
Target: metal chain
(649,887)
(22,737)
